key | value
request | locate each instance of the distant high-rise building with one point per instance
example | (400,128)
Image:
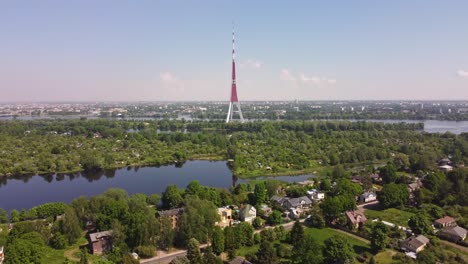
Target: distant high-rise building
(234,100)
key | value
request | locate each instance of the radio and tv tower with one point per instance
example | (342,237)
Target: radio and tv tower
(234,100)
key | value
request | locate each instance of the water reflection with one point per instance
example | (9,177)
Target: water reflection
(26,191)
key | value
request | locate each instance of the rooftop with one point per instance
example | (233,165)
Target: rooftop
(94,237)
(445,220)
(172,212)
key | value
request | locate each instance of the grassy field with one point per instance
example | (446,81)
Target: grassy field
(322,234)
(391,215)
(385,257)
(55,256)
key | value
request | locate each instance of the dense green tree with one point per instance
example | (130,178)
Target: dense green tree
(266,254)
(258,223)
(260,193)
(394,195)
(193,252)
(295,191)
(307,251)
(434,181)
(58,241)
(210,258)
(153,199)
(272,187)
(297,234)
(3,216)
(378,237)
(334,206)
(347,187)
(275,218)
(419,224)
(71,227)
(217,241)
(388,173)
(197,221)
(15,216)
(325,185)
(194,188)
(166,233)
(316,220)
(230,239)
(337,250)
(244,234)
(26,248)
(171,197)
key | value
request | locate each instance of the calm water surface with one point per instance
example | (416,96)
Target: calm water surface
(26,192)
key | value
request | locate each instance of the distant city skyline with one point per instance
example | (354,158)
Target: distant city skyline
(181,50)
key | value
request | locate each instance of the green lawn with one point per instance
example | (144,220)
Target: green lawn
(392,215)
(385,257)
(322,234)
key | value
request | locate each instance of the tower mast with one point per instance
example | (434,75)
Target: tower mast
(234,100)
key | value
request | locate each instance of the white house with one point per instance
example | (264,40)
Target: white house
(248,213)
(367,197)
(316,195)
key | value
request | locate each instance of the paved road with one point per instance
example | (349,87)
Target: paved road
(165,258)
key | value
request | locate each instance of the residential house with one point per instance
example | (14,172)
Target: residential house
(375,177)
(174,215)
(367,197)
(356,218)
(414,243)
(453,233)
(316,195)
(239,260)
(297,203)
(412,188)
(306,183)
(225,214)
(248,213)
(445,222)
(266,210)
(278,199)
(356,179)
(100,242)
(445,168)
(445,161)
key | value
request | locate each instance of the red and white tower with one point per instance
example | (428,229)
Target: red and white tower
(234,99)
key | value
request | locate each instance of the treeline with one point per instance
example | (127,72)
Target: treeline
(119,128)
(54,146)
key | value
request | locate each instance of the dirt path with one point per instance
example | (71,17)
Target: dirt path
(450,244)
(70,254)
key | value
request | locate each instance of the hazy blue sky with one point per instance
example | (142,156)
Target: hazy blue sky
(180,50)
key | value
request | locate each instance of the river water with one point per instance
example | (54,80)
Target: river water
(28,191)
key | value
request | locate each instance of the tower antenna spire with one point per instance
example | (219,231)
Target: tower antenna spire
(234,100)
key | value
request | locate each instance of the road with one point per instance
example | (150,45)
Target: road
(164,257)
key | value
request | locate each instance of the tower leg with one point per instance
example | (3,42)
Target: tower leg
(240,112)
(229,115)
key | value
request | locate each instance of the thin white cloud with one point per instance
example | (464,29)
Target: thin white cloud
(168,78)
(253,63)
(462,73)
(286,75)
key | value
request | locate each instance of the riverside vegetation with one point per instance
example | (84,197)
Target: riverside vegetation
(255,148)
